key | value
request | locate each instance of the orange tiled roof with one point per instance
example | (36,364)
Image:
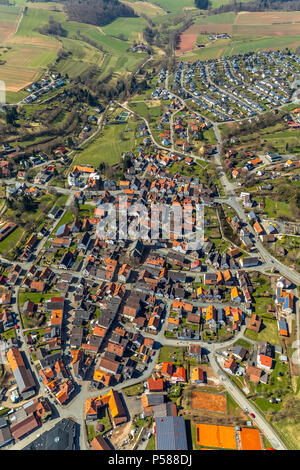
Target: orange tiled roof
(14,358)
(84,169)
(167,368)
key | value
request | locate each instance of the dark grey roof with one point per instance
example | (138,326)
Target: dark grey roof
(250,260)
(155,399)
(61,437)
(54,211)
(282,324)
(76,336)
(3,422)
(240,351)
(28,394)
(176,276)
(5,436)
(23,378)
(95,341)
(50,360)
(54,305)
(82,314)
(170,433)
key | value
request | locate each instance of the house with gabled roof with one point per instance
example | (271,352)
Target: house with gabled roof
(179,375)
(167,369)
(198,375)
(254,374)
(230,365)
(156,385)
(235,295)
(255,323)
(283,327)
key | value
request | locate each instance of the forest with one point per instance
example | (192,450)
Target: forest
(257,5)
(96,12)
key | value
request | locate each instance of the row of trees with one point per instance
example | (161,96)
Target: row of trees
(258,5)
(244,128)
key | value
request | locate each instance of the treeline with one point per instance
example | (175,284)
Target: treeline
(107,89)
(88,40)
(97,12)
(202,4)
(246,128)
(258,5)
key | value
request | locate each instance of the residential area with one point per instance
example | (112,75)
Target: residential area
(126,342)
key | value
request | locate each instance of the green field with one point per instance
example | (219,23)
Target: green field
(112,54)
(134,390)
(110,51)
(153,113)
(9,16)
(289,432)
(150,9)
(83,56)
(8,334)
(30,52)
(34,19)
(276,208)
(222,18)
(108,146)
(174,5)
(240,44)
(27,53)
(127,27)
(10,242)
(66,219)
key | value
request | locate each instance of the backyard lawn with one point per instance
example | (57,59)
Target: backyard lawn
(172,354)
(269,332)
(8,334)
(134,390)
(35,297)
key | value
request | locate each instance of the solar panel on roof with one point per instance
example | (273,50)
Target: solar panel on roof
(167,436)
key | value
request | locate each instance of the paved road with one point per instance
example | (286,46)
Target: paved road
(266,256)
(242,401)
(159,146)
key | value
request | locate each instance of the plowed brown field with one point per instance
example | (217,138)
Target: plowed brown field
(208,402)
(187,41)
